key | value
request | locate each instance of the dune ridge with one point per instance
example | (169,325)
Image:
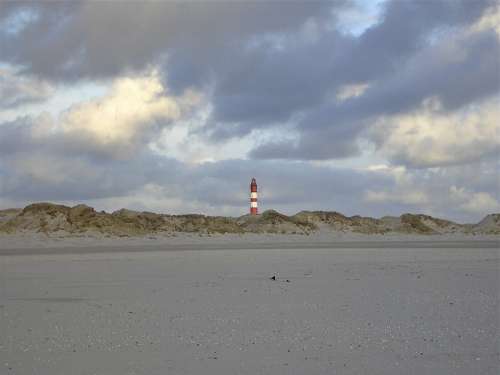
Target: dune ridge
(51,218)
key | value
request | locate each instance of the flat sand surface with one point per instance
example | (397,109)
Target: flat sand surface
(356,308)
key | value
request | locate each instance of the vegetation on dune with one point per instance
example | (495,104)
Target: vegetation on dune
(81,219)
(413,223)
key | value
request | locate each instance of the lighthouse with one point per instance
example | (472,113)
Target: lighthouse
(253,197)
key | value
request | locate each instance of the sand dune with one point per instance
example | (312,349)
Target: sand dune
(50,218)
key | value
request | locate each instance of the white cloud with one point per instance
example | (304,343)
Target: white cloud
(360,16)
(121,119)
(461,192)
(351,91)
(185,142)
(117,123)
(405,190)
(409,197)
(474,202)
(431,137)
(489,20)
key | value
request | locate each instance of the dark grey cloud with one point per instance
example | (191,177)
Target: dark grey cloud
(315,144)
(26,134)
(457,71)
(16,91)
(15,135)
(74,40)
(403,31)
(265,85)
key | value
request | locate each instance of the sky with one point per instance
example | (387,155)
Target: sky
(362,107)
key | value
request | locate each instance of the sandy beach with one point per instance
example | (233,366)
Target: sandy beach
(425,307)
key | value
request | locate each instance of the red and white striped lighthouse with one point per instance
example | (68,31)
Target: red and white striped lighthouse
(253,197)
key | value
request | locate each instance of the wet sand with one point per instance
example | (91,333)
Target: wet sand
(357,308)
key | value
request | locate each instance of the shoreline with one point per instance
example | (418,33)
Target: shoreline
(43,244)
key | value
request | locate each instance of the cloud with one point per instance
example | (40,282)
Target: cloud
(17,90)
(75,40)
(127,115)
(154,182)
(489,20)
(405,191)
(406,198)
(315,144)
(281,77)
(474,202)
(115,125)
(463,193)
(332,128)
(269,67)
(351,91)
(430,137)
